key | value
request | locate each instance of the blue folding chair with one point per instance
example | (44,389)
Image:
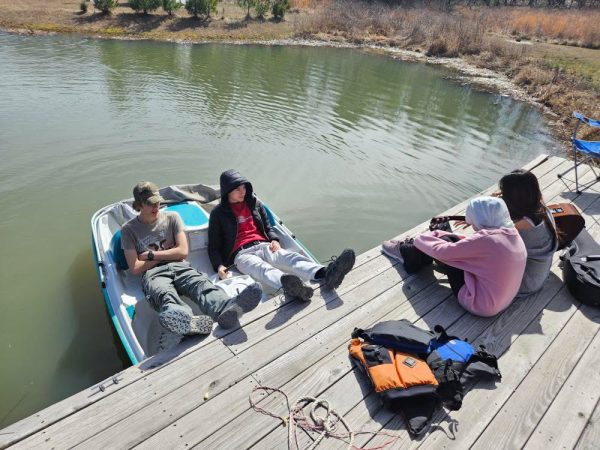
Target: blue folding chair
(589,151)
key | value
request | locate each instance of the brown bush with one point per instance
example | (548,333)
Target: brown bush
(437,48)
(532,75)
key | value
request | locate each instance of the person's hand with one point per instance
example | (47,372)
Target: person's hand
(143,256)
(496,194)
(274,246)
(223,272)
(461,224)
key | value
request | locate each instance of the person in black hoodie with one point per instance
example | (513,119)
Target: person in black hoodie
(240,233)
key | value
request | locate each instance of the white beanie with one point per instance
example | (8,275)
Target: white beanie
(488,212)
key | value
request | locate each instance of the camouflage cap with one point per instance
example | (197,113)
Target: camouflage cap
(147,193)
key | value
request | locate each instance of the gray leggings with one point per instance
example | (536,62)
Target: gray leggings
(163,284)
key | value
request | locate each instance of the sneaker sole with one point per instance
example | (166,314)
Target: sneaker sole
(390,255)
(345,263)
(182,323)
(246,301)
(293,286)
(201,325)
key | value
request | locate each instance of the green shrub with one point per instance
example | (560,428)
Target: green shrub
(262,7)
(145,6)
(83,6)
(201,7)
(246,4)
(279,8)
(106,6)
(170,6)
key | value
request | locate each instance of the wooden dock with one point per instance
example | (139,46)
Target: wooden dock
(197,395)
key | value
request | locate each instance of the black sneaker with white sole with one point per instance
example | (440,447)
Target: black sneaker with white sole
(245,301)
(293,287)
(338,268)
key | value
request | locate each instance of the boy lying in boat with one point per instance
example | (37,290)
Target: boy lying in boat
(240,233)
(156,246)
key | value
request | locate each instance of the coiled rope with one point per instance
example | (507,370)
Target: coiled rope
(326,424)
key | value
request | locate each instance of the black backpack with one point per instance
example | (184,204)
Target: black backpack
(455,363)
(398,334)
(581,268)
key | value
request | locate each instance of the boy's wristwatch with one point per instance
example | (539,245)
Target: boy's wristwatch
(150,255)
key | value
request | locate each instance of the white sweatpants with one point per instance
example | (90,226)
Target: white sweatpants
(267,267)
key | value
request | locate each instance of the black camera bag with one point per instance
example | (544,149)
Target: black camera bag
(580,263)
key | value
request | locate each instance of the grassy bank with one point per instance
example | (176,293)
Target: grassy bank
(553,55)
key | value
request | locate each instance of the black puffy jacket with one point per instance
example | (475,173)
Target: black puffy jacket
(223,226)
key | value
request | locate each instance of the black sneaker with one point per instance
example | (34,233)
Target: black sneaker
(338,268)
(245,301)
(294,287)
(414,259)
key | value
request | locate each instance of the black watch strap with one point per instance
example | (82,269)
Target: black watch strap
(150,255)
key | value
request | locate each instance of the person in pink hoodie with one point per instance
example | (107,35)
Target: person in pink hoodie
(485,269)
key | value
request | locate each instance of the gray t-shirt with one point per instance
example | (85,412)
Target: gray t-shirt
(541,245)
(159,235)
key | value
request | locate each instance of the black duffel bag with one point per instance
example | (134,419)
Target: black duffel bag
(580,263)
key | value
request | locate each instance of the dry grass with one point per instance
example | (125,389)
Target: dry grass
(65,16)
(575,27)
(439,33)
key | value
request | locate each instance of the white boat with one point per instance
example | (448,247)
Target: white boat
(133,318)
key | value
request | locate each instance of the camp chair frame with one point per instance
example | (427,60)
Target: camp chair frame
(589,150)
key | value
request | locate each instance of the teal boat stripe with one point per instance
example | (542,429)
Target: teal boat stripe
(114,319)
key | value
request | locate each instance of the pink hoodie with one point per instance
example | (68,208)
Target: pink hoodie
(493,261)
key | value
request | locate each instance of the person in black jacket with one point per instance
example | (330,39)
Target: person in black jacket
(240,233)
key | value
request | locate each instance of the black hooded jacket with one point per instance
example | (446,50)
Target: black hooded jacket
(223,226)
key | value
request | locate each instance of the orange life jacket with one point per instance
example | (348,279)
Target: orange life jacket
(404,382)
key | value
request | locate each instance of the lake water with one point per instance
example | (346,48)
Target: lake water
(348,148)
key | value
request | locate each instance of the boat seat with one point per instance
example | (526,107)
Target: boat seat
(118,255)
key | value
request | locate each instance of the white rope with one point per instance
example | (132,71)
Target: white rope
(325,424)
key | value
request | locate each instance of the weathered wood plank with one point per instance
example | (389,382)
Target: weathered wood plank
(515,421)
(121,405)
(566,418)
(591,434)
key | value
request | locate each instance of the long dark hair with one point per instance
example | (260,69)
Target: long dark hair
(521,192)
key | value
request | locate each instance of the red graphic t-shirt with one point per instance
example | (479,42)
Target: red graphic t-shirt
(247,231)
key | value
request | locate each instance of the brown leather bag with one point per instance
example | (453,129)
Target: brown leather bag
(569,222)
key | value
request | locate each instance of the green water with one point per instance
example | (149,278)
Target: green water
(348,148)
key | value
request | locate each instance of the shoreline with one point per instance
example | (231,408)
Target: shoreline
(470,69)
